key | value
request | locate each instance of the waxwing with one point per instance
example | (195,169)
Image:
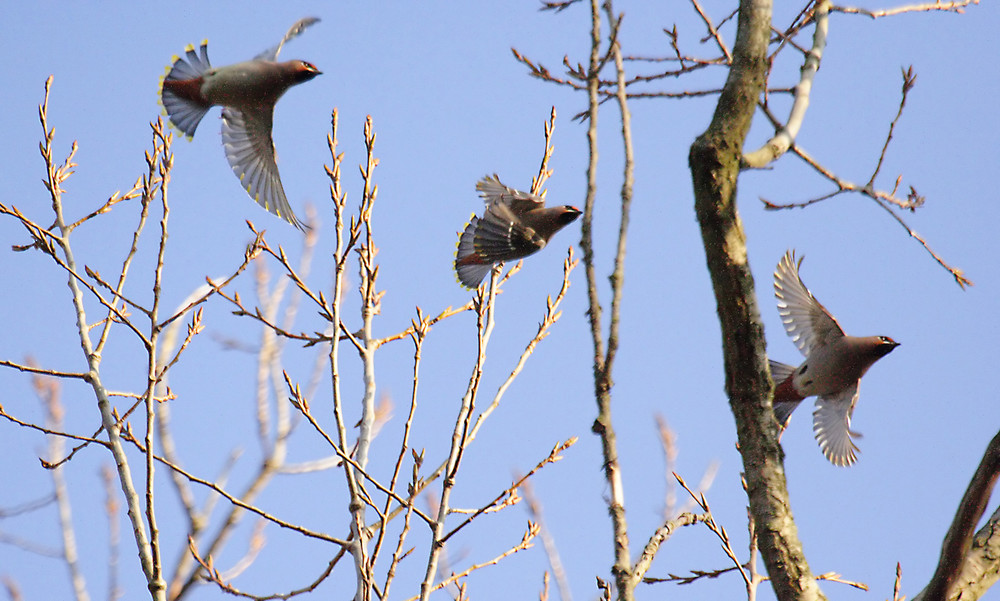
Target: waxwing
(247,92)
(515,224)
(833,367)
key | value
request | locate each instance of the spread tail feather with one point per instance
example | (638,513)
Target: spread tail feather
(180,90)
(469,266)
(783,411)
(780,373)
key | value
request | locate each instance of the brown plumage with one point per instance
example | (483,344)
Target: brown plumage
(833,367)
(514,225)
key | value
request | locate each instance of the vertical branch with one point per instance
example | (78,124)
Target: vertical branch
(196,520)
(548,544)
(340,255)
(622,569)
(112,509)
(53,182)
(618,275)
(283,425)
(714,161)
(754,579)
(604,360)
(369,296)
(266,353)
(543,169)
(339,205)
(270,376)
(48,392)
(419,331)
(163,171)
(369,308)
(341,251)
(399,553)
(460,435)
(586,229)
(145,201)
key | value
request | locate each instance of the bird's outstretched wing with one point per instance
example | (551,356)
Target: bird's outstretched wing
(271,54)
(493,192)
(832,426)
(807,322)
(500,235)
(497,236)
(246,138)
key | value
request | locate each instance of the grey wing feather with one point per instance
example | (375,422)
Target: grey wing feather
(500,236)
(807,322)
(271,54)
(246,138)
(493,192)
(832,426)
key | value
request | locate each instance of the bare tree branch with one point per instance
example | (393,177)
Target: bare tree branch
(955,7)
(785,137)
(954,565)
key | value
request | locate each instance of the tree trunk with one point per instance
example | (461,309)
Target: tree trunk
(715,165)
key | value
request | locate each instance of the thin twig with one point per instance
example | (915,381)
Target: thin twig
(525,543)
(534,507)
(713,31)
(955,7)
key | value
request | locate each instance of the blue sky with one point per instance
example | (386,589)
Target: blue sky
(450,104)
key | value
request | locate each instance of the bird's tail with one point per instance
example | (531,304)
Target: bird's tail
(469,266)
(783,405)
(180,90)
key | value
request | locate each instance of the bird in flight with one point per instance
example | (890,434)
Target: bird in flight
(247,92)
(514,225)
(833,367)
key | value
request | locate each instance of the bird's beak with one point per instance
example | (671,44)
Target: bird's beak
(887,346)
